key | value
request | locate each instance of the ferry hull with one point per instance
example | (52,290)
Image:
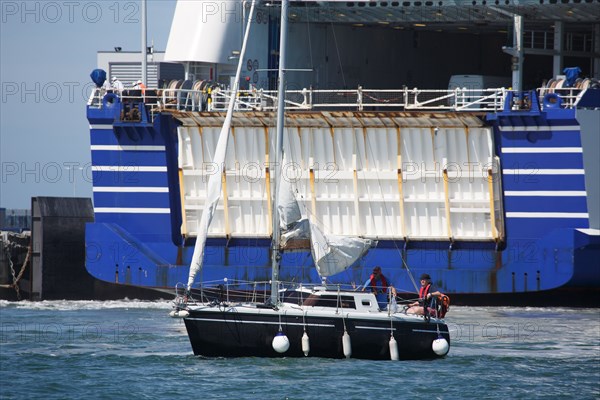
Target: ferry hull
(137,239)
(523,266)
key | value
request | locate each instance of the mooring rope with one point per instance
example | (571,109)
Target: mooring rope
(16,277)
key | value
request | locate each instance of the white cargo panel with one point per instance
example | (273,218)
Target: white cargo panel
(386,175)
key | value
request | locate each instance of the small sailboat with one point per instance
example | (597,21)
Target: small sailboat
(298,320)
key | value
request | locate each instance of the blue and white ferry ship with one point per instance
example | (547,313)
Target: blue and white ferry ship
(491,191)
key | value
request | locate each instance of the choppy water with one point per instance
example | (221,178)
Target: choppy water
(131,349)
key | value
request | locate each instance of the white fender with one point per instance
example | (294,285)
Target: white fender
(440,346)
(281,343)
(305,344)
(179,314)
(347,345)
(394,355)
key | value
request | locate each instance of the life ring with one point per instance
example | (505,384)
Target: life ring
(552,100)
(110,100)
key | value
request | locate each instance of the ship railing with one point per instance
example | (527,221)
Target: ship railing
(406,99)
(367,99)
(151,97)
(95,99)
(569,96)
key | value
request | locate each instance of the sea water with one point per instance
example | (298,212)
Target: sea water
(133,350)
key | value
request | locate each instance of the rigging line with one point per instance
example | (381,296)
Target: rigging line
(410,275)
(337,49)
(308,34)
(391,322)
(279,314)
(304,321)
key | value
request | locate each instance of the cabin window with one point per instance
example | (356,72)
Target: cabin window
(330,301)
(295,297)
(366,303)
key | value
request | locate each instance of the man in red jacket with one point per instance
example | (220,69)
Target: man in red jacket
(379,285)
(426,293)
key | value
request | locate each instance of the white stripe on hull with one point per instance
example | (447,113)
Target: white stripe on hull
(130,189)
(127,168)
(122,210)
(506,150)
(117,147)
(534,171)
(239,321)
(546,193)
(540,128)
(590,231)
(276,323)
(546,215)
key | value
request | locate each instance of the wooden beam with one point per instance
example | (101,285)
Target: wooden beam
(268,184)
(490,178)
(400,179)
(184,229)
(313,195)
(447,199)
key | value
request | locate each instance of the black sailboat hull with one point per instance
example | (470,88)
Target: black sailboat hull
(234,334)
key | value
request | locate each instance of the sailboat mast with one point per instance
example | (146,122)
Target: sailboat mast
(276,252)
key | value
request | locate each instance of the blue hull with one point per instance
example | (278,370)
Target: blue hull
(523,266)
(539,252)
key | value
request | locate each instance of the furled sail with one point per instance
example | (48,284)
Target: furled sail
(214,182)
(291,222)
(289,210)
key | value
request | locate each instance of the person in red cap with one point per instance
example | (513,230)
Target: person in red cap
(426,292)
(379,285)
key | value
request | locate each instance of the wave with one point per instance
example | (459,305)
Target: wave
(76,305)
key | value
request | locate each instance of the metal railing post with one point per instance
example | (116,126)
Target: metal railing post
(359,98)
